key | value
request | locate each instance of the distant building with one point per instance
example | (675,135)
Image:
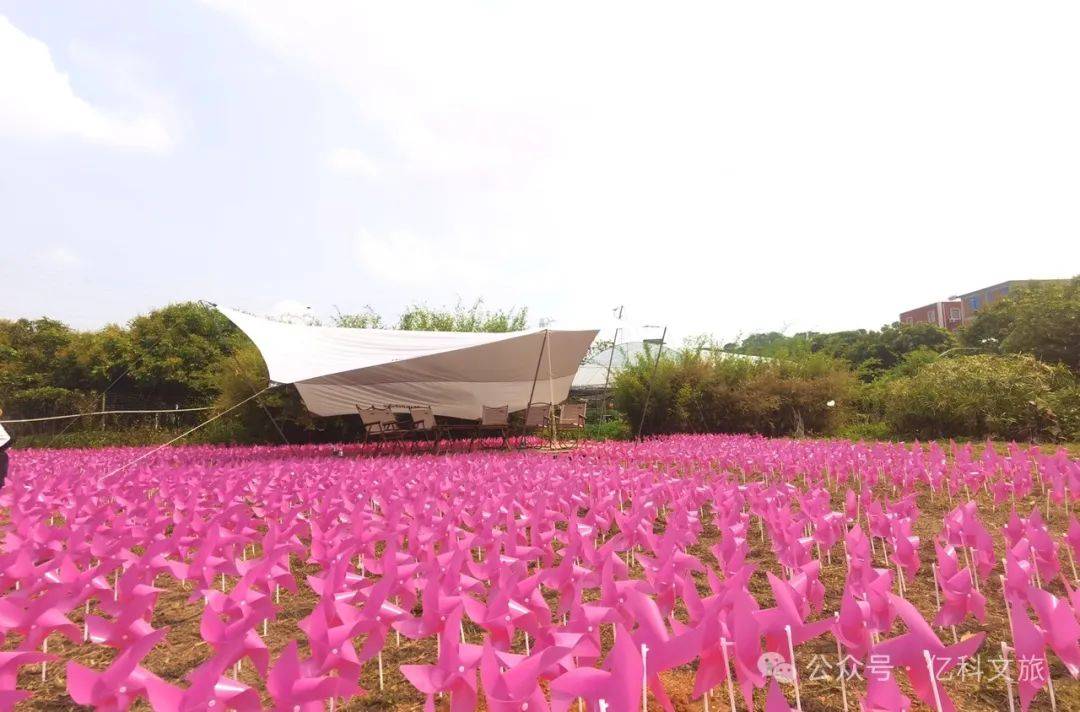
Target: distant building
(960,310)
(947,315)
(972,302)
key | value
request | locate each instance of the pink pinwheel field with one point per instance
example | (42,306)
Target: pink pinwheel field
(311,578)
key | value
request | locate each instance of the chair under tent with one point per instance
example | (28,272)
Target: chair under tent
(425,384)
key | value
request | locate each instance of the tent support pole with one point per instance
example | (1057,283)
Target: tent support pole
(258,401)
(551,397)
(536,375)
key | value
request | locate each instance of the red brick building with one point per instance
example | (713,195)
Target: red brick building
(948,315)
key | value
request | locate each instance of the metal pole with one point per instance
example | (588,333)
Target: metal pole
(607,378)
(551,394)
(532,391)
(652,378)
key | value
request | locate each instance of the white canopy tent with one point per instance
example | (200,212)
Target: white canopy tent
(337,369)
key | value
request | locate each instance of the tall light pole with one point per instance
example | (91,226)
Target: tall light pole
(652,378)
(607,378)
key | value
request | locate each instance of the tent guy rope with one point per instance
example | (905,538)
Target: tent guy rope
(188,432)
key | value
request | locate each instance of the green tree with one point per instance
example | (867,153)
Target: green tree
(982,395)
(699,391)
(419,317)
(1041,319)
(173,352)
(772,344)
(366,319)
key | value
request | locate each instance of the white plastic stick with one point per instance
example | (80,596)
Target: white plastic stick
(1008,679)
(727,673)
(795,669)
(644,678)
(933,679)
(840,664)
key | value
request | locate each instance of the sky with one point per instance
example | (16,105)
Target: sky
(715,168)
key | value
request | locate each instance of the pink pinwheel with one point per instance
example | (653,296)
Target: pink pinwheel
(775,700)
(568,578)
(908,651)
(861,571)
(665,651)
(746,636)
(454,672)
(947,562)
(883,693)
(905,548)
(619,685)
(518,688)
(1043,547)
(228,626)
(498,616)
(881,604)
(124,681)
(1072,537)
(1018,569)
(774,622)
(963,528)
(664,572)
(808,590)
(586,620)
(10,662)
(39,617)
(437,606)
(851,626)
(292,687)
(1030,646)
(378,614)
(1062,631)
(121,632)
(959,599)
(210,689)
(1014,529)
(331,645)
(731,552)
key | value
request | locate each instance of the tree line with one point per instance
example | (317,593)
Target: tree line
(1012,373)
(184,355)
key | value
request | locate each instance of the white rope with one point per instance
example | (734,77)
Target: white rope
(185,434)
(103,412)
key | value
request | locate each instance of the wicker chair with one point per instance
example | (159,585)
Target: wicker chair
(572,416)
(380,425)
(537,418)
(495,420)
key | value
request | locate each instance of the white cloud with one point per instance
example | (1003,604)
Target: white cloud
(353,162)
(37,101)
(728,166)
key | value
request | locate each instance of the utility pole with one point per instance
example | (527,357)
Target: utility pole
(611,358)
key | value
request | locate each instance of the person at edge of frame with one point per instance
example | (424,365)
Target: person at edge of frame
(5,443)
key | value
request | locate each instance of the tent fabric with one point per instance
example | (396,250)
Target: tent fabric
(337,369)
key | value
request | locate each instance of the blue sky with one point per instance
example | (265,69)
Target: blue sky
(720,170)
